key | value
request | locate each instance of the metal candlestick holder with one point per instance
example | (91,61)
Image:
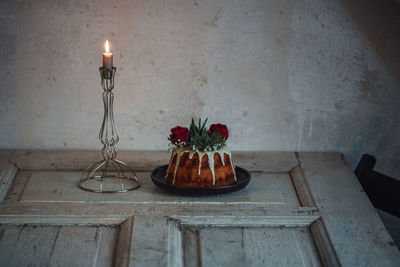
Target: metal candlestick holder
(108,175)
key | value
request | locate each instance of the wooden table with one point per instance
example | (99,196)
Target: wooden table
(299,209)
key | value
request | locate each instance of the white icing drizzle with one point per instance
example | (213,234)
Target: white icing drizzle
(200,157)
(221,156)
(172,158)
(232,165)
(210,155)
(191,153)
(178,159)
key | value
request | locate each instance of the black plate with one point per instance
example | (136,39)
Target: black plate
(158,178)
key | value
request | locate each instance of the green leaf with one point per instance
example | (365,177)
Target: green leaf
(201,139)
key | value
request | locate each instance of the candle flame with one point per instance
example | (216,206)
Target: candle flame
(107,47)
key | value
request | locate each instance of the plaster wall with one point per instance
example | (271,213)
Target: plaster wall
(304,75)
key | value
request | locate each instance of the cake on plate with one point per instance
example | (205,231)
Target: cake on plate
(200,157)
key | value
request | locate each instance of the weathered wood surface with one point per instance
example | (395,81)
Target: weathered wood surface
(143,242)
(250,241)
(7,172)
(9,236)
(302,188)
(124,244)
(57,245)
(70,160)
(7,176)
(149,241)
(355,229)
(320,236)
(262,161)
(5,158)
(250,246)
(323,244)
(104,214)
(307,215)
(50,186)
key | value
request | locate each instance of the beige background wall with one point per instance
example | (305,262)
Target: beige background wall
(283,75)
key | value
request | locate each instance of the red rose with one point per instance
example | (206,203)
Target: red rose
(179,133)
(221,129)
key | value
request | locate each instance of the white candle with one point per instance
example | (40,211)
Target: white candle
(107,58)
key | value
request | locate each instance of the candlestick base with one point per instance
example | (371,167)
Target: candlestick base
(109,176)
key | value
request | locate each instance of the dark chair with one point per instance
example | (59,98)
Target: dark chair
(382,190)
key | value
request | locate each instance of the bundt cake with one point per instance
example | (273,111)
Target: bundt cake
(200,157)
(201,169)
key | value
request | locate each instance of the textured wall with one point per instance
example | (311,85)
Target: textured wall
(284,75)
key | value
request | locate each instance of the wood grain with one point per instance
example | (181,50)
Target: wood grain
(191,247)
(5,158)
(9,236)
(123,249)
(52,186)
(288,215)
(142,241)
(254,246)
(33,246)
(323,244)
(7,176)
(149,241)
(320,236)
(175,244)
(358,235)
(46,245)
(72,160)
(302,187)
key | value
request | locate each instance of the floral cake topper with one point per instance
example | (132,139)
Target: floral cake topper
(198,138)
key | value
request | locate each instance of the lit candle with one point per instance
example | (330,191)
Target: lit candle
(107,58)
